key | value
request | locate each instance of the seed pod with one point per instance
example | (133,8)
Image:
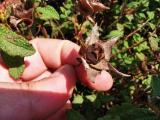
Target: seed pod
(95,55)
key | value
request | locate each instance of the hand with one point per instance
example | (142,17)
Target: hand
(49,81)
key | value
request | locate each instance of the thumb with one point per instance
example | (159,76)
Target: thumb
(57,90)
(39,98)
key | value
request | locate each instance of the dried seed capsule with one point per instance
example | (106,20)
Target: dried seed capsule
(92,53)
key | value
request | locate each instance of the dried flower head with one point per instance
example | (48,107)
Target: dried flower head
(95,55)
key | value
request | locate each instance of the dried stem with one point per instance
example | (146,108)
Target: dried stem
(119,17)
(44,32)
(58,28)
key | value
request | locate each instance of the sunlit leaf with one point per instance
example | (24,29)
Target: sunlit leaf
(141,56)
(14,44)
(115,34)
(78,99)
(154,43)
(47,13)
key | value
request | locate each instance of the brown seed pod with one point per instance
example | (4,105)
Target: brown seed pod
(95,55)
(92,53)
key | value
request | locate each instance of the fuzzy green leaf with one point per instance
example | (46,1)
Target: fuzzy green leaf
(140,56)
(14,44)
(15,64)
(154,43)
(47,13)
(17,71)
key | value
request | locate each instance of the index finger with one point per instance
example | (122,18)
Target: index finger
(56,53)
(50,53)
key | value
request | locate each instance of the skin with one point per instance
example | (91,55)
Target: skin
(47,82)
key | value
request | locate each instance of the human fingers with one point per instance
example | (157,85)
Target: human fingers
(34,67)
(58,52)
(37,99)
(49,53)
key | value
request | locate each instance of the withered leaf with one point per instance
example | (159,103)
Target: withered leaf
(91,6)
(93,36)
(19,10)
(108,47)
(102,65)
(85,7)
(15,21)
(98,7)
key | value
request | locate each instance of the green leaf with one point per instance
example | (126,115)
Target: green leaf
(141,15)
(17,71)
(115,34)
(150,14)
(153,43)
(120,26)
(126,45)
(91,98)
(47,13)
(128,59)
(74,115)
(14,44)
(147,81)
(152,26)
(133,4)
(15,64)
(137,37)
(129,17)
(77,99)
(143,46)
(140,56)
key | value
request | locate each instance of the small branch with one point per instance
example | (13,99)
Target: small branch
(118,72)
(44,32)
(126,49)
(58,28)
(136,30)
(119,17)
